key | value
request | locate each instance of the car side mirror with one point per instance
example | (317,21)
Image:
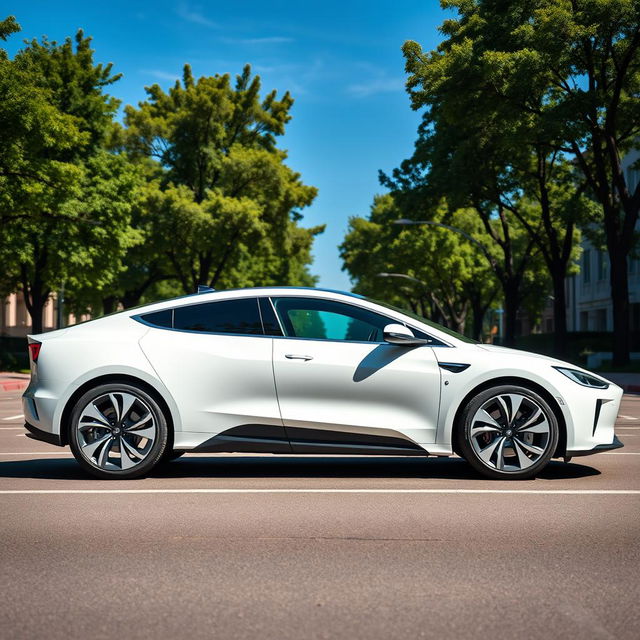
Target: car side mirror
(403,336)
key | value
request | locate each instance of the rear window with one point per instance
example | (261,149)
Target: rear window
(162,318)
(229,316)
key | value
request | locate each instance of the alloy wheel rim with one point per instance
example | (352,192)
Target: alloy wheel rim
(510,432)
(116,431)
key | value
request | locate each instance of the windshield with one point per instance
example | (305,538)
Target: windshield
(429,323)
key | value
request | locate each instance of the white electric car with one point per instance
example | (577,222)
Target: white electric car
(293,370)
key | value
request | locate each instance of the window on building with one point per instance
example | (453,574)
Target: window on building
(239,316)
(584,321)
(601,320)
(586,266)
(603,264)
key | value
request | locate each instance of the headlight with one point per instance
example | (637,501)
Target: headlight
(585,379)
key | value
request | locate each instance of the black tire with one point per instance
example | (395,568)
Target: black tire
(109,414)
(504,445)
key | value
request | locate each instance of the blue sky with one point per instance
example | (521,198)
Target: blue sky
(340,60)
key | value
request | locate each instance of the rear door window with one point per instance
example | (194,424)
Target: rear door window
(240,317)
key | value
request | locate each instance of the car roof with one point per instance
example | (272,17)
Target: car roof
(211,295)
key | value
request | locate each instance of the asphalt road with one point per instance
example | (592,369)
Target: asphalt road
(231,546)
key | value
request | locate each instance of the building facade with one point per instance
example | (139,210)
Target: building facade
(16,322)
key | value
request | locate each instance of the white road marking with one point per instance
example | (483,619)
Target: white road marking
(208,455)
(618,453)
(627,417)
(585,492)
(11,428)
(14,417)
(36,453)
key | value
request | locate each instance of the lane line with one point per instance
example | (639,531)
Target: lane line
(11,428)
(578,492)
(628,417)
(611,453)
(36,453)
(14,417)
(205,455)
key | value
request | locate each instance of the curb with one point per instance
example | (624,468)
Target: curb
(13,381)
(13,385)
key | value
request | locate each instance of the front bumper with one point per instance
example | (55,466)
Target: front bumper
(42,436)
(616,444)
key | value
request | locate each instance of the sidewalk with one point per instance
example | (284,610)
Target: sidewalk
(13,381)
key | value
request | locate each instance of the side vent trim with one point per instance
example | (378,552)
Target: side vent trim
(454,367)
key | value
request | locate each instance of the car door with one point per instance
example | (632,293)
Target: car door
(341,386)
(217,363)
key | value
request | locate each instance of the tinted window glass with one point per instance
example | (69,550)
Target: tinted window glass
(328,320)
(162,318)
(228,316)
(269,320)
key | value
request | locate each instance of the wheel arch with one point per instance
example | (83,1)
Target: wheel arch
(522,382)
(110,379)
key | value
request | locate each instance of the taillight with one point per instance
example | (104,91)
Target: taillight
(34,351)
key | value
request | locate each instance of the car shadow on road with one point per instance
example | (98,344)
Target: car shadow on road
(251,467)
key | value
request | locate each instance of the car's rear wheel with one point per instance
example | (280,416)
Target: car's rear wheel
(117,431)
(508,433)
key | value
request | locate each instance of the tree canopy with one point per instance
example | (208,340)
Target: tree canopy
(193,189)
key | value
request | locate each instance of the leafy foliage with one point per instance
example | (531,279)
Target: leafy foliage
(225,201)
(193,190)
(546,92)
(433,270)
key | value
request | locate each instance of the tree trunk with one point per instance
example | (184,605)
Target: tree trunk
(511,304)
(131,299)
(479,310)
(36,308)
(558,275)
(109,304)
(620,298)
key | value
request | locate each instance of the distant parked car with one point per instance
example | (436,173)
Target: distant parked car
(294,370)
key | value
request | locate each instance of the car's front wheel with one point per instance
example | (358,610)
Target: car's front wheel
(117,431)
(508,432)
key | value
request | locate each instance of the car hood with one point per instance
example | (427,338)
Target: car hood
(492,348)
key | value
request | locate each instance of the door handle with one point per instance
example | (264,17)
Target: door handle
(295,356)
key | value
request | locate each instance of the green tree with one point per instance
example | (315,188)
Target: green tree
(227,205)
(480,149)
(570,71)
(63,198)
(435,271)
(7,27)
